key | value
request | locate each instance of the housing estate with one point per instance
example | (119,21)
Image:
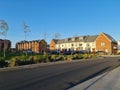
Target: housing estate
(102,43)
(36,46)
(5,44)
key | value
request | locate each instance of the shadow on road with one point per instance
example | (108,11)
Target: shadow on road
(71,84)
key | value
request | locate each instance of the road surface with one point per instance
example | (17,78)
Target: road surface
(60,76)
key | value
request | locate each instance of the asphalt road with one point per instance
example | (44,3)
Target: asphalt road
(59,76)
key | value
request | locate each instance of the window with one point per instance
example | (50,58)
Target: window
(102,44)
(81,38)
(73,39)
(80,44)
(87,45)
(72,44)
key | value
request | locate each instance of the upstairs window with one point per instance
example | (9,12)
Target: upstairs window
(80,44)
(87,45)
(73,39)
(102,44)
(72,44)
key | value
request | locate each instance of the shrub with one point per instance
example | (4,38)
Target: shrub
(36,59)
(80,56)
(15,61)
(85,56)
(12,62)
(93,55)
(3,63)
(75,56)
(23,57)
(31,61)
(52,58)
(64,57)
(2,58)
(69,58)
(59,57)
(44,58)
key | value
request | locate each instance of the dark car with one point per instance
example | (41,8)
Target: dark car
(54,52)
(69,52)
(81,52)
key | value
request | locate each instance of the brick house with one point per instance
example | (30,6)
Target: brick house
(74,43)
(105,43)
(6,44)
(101,43)
(36,46)
(53,44)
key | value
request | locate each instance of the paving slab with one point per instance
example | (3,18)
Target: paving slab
(107,81)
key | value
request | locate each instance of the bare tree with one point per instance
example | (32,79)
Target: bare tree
(57,35)
(45,35)
(3,31)
(76,35)
(26,29)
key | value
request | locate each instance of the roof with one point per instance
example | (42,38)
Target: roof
(86,38)
(110,38)
(24,41)
(91,38)
(55,40)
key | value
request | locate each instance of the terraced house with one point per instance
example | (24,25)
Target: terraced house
(36,46)
(5,44)
(76,43)
(103,43)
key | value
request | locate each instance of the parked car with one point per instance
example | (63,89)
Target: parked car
(54,52)
(81,52)
(69,53)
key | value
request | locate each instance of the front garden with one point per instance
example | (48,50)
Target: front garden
(21,59)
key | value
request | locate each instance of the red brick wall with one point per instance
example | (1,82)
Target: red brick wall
(6,44)
(108,45)
(52,45)
(35,46)
(103,39)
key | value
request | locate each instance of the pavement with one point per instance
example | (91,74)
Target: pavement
(107,81)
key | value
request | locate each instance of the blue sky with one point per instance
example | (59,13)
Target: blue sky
(67,17)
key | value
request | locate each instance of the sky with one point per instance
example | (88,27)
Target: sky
(67,17)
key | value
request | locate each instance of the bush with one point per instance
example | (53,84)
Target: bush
(59,57)
(85,56)
(31,60)
(69,58)
(75,56)
(23,57)
(13,62)
(80,56)
(36,59)
(93,55)
(52,58)
(3,64)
